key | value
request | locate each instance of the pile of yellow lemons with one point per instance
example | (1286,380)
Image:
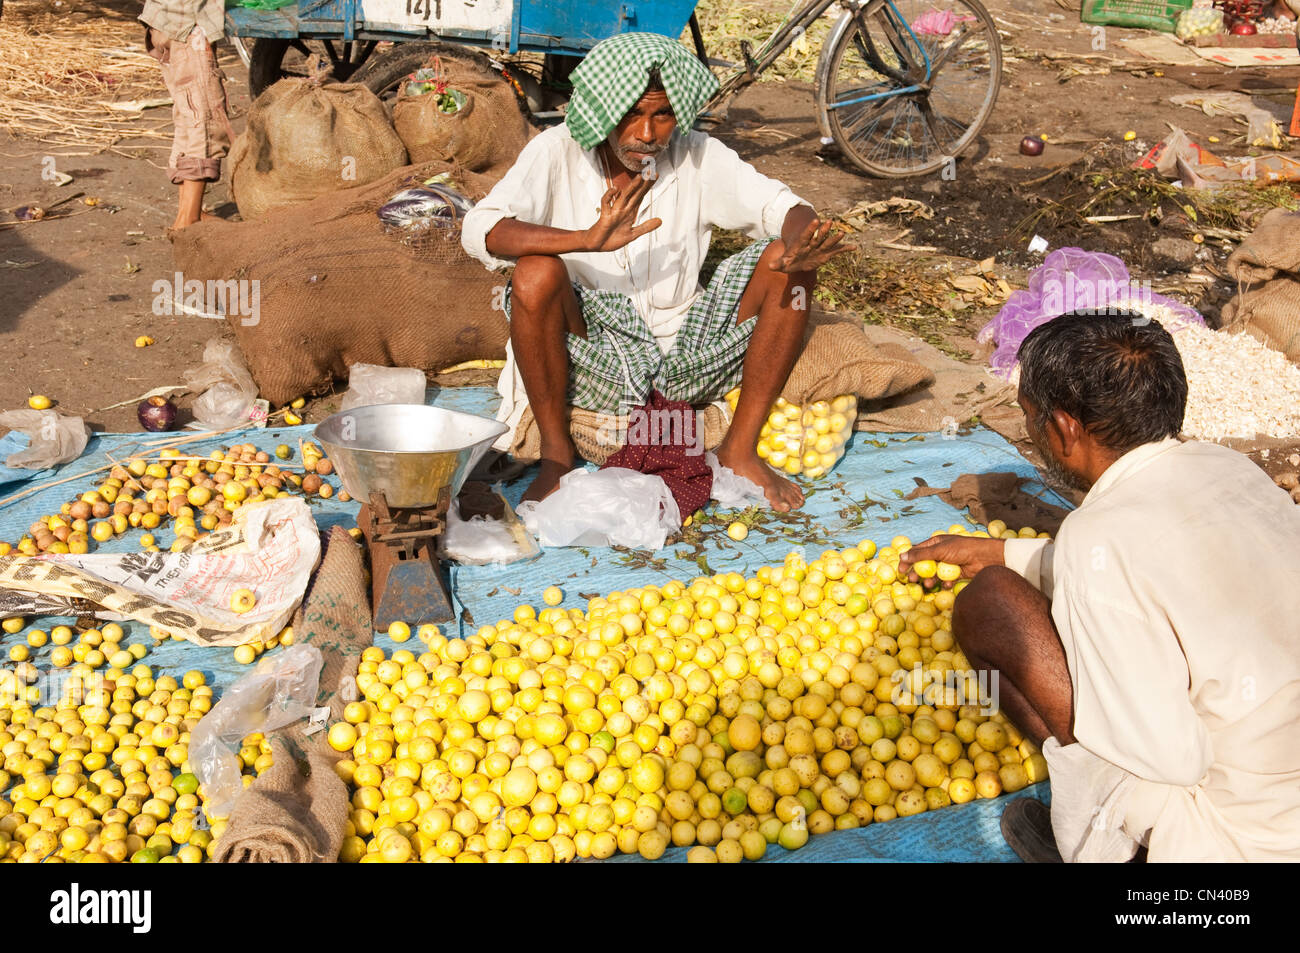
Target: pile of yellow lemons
(199,494)
(102,775)
(723,715)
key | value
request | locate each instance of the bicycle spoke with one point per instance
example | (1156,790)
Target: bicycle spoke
(886,53)
(937,63)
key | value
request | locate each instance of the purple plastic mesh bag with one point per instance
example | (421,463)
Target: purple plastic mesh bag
(1069,279)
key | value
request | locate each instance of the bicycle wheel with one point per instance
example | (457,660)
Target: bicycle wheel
(903,86)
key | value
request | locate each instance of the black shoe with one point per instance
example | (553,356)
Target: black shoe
(1027,829)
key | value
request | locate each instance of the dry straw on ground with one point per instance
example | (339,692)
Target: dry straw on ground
(66,83)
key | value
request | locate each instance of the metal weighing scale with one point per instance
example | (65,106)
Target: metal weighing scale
(405,463)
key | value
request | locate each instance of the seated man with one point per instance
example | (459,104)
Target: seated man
(1153,649)
(607,220)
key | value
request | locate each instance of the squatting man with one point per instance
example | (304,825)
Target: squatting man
(607,221)
(1152,649)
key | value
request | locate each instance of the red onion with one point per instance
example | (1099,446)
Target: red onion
(157,413)
(1031,146)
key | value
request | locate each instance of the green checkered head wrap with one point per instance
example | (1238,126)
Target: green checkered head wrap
(615,74)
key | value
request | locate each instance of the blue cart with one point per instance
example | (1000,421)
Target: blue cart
(377,42)
(902,87)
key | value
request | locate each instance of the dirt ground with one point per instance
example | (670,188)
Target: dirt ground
(76,289)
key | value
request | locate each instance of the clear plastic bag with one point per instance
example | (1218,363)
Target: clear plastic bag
(375,384)
(730,490)
(481,541)
(54,439)
(609,507)
(279,691)
(228,392)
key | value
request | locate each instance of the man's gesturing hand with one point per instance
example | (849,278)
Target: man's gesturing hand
(971,553)
(817,244)
(617,226)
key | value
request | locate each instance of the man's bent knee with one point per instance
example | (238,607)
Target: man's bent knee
(537,282)
(995,592)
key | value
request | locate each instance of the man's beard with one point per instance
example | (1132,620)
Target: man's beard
(1055,473)
(634,159)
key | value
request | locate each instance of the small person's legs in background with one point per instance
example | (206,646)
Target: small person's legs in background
(199,112)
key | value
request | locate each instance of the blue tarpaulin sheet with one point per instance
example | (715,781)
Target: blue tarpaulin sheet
(862,498)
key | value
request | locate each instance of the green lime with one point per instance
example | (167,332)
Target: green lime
(604,741)
(185,784)
(145,855)
(734,801)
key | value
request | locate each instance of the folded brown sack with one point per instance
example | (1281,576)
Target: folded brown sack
(296,810)
(997,496)
(485,134)
(837,359)
(304,139)
(336,288)
(1267,269)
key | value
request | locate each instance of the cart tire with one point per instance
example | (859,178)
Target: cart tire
(265,65)
(383,74)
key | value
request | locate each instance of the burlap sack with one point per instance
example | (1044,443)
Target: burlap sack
(296,811)
(484,135)
(335,288)
(837,358)
(304,139)
(997,496)
(1267,269)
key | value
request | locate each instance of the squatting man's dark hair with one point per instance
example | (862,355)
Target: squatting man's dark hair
(1117,373)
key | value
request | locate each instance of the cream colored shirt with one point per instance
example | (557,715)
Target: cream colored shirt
(1175,587)
(701,185)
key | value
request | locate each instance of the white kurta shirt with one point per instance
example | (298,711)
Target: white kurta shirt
(1175,588)
(701,185)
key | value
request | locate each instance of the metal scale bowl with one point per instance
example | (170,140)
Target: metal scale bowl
(405,463)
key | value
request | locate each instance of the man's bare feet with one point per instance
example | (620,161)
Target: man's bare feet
(548,480)
(781,494)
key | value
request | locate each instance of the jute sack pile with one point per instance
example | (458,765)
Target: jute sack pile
(1267,269)
(837,358)
(337,288)
(296,811)
(304,139)
(484,135)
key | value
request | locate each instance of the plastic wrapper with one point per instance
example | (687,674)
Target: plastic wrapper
(732,491)
(423,206)
(610,507)
(279,691)
(229,395)
(370,384)
(1069,279)
(270,547)
(53,438)
(481,541)
(808,440)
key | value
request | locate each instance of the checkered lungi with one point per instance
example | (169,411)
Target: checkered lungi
(616,366)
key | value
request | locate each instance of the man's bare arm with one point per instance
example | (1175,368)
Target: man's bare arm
(511,238)
(614,228)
